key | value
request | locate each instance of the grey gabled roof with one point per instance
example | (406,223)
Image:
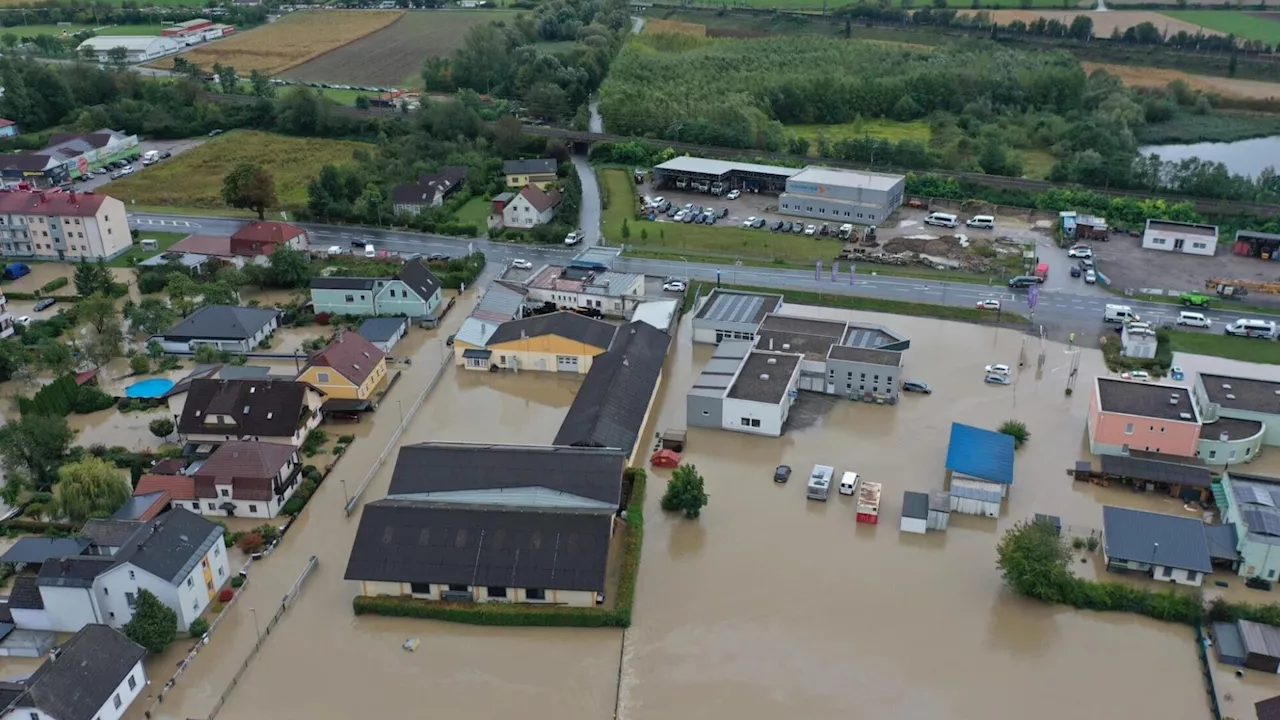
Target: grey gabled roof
(40,549)
(614,398)
(590,473)
(1155,538)
(342,283)
(420,280)
(78,571)
(1222,540)
(568,325)
(109,533)
(422,542)
(88,669)
(171,545)
(381,329)
(525,167)
(222,322)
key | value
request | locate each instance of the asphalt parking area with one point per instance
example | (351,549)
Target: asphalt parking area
(1128,266)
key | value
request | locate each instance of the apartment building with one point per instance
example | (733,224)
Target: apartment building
(73,226)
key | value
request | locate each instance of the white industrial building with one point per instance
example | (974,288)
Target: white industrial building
(842,196)
(732,315)
(137,48)
(745,390)
(1171,236)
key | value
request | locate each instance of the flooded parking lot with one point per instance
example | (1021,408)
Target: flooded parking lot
(769,604)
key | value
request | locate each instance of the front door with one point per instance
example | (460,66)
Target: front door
(1177,244)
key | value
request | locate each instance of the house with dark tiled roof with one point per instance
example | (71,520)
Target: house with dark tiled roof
(261,238)
(246,479)
(535,171)
(414,292)
(492,523)
(210,412)
(431,190)
(95,675)
(532,206)
(226,327)
(178,556)
(1168,548)
(348,371)
(555,342)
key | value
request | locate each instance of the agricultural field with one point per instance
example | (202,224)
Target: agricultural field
(658,26)
(1250,26)
(1105,22)
(387,57)
(34,30)
(193,179)
(1159,77)
(294,39)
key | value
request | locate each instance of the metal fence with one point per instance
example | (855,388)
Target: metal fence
(264,633)
(1206,668)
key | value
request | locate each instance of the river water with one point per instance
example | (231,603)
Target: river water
(1242,157)
(768,605)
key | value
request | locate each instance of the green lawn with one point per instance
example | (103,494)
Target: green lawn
(34,30)
(1235,23)
(1226,346)
(475,212)
(817,5)
(879,128)
(1036,164)
(164,240)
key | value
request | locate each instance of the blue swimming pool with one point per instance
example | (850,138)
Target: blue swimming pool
(153,388)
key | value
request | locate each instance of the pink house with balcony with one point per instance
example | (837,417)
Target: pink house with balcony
(1127,415)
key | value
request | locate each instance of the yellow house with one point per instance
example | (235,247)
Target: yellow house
(348,371)
(540,172)
(556,342)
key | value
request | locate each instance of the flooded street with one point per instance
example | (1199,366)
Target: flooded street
(769,605)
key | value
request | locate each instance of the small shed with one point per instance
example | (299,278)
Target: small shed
(915,512)
(384,333)
(979,469)
(1052,521)
(1228,643)
(1261,646)
(939,510)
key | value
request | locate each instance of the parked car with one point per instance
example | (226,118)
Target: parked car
(679,216)
(166,155)
(797,228)
(449,341)
(824,230)
(997,380)
(782,473)
(749,222)
(126,170)
(437,257)
(24,321)
(658,201)
(215,132)
(1075,271)
(734,194)
(1090,276)
(724,212)
(1136,375)
(786,226)
(1080,251)
(1086,264)
(810,230)
(759,223)
(45,304)
(917,386)
(775,226)
(998,369)
(369,252)
(688,217)
(674,286)
(521,264)
(988,304)
(699,218)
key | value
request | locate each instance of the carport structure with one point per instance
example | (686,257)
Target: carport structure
(748,177)
(1190,483)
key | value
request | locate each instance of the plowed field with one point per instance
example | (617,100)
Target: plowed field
(1156,77)
(1103,22)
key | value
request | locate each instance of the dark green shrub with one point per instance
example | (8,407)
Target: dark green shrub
(54,284)
(293,506)
(237,581)
(199,627)
(346,439)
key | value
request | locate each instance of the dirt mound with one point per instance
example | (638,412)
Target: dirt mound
(945,246)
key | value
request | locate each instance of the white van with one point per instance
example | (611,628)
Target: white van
(849,483)
(982,221)
(820,482)
(1118,314)
(942,220)
(369,252)
(1194,319)
(1252,328)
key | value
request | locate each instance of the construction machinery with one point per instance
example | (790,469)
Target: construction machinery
(1228,288)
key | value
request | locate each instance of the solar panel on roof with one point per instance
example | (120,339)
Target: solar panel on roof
(1275,497)
(1271,523)
(1259,496)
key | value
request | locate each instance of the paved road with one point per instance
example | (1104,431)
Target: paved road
(1061,310)
(589,213)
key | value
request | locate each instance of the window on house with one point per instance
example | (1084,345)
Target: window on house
(1213,454)
(131,600)
(212,506)
(217,551)
(195,604)
(1128,429)
(132,576)
(322,377)
(1271,574)
(253,508)
(133,683)
(1168,572)
(208,585)
(35,716)
(351,298)
(115,700)
(496,592)
(191,582)
(1192,575)
(420,588)
(458,588)
(535,594)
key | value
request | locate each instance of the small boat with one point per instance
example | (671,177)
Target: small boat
(411,644)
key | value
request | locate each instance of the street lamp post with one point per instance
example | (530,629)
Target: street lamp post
(256,627)
(346,497)
(400,404)
(686,268)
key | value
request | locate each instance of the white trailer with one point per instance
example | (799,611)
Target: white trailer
(820,482)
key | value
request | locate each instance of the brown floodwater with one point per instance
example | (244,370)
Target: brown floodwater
(768,604)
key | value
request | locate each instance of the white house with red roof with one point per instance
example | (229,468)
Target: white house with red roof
(261,238)
(76,226)
(531,207)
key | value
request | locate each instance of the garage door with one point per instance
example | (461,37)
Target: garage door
(567,363)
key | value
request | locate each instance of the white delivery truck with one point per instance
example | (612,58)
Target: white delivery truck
(820,482)
(1243,327)
(150,156)
(1118,314)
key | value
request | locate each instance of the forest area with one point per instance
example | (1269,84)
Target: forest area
(983,103)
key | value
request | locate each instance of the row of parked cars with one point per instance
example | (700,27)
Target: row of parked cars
(691,213)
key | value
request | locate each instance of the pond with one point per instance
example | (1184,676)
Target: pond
(1242,157)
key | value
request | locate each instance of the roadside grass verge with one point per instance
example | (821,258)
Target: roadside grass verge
(1226,346)
(164,240)
(1239,24)
(892,307)
(536,615)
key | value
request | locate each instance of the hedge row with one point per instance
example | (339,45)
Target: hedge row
(39,296)
(535,615)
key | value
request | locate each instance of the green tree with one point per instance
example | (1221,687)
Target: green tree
(218,293)
(87,52)
(1231,66)
(55,357)
(686,492)
(228,81)
(288,268)
(118,55)
(9,40)
(161,427)
(250,187)
(151,316)
(198,628)
(140,364)
(182,292)
(98,311)
(154,625)
(626,230)
(31,450)
(1035,561)
(362,102)
(261,85)
(1017,430)
(91,279)
(91,487)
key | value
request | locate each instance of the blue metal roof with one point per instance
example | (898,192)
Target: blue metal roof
(983,454)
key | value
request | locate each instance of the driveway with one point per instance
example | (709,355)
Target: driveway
(589,214)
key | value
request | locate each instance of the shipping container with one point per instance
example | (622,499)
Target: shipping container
(869,503)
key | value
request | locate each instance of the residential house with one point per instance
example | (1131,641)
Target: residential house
(95,675)
(611,409)
(500,303)
(531,207)
(556,342)
(1166,547)
(1172,236)
(1130,415)
(1251,503)
(384,333)
(979,469)
(6,320)
(246,479)
(211,412)
(179,556)
(499,203)
(75,226)
(414,292)
(613,294)
(540,172)
(492,523)
(8,128)
(261,238)
(225,327)
(347,371)
(1245,410)
(431,190)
